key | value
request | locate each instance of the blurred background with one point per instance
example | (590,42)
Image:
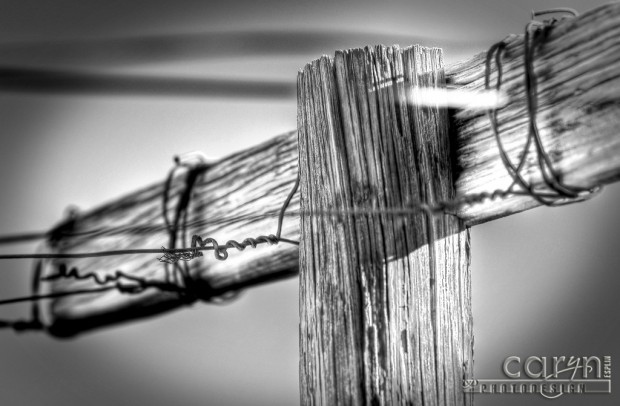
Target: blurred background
(545,282)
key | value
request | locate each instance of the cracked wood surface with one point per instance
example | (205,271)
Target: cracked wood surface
(385,302)
(578,65)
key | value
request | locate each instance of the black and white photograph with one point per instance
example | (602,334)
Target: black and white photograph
(275,203)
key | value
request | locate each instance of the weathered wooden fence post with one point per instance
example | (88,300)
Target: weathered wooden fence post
(384,300)
(578,70)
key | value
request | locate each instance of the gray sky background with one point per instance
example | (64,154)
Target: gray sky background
(545,282)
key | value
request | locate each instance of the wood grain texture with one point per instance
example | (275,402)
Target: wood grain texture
(384,301)
(236,198)
(578,65)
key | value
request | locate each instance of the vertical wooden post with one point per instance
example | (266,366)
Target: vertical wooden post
(385,300)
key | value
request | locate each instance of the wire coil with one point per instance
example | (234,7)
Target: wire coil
(553,192)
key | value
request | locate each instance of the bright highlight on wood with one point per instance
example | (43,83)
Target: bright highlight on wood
(578,69)
(458,98)
(384,301)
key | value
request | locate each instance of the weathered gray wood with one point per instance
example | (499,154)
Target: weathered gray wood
(236,198)
(579,69)
(384,302)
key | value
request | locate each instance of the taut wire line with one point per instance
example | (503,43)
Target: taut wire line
(189,290)
(554,192)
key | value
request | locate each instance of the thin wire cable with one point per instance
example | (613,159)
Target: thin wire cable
(163,250)
(139,229)
(285,205)
(220,251)
(550,175)
(35,323)
(55,295)
(557,193)
(170,256)
(179,271)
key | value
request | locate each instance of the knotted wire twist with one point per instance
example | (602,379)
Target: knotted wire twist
(556,193)
(220,251)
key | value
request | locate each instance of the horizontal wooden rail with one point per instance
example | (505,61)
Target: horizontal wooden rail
(578,70)
(236,198)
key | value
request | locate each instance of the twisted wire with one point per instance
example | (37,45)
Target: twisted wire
(138,286)
(557,193)
(220,251)
(554,193)
(180,270)
(170,256)
(65,272)
(551,177)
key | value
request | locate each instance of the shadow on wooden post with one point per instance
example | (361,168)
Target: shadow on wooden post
(385,301)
